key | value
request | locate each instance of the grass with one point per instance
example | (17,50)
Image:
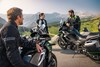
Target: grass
(92,25)
(53,30)
(26,33)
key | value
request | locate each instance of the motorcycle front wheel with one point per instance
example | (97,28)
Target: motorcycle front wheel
(61,43)
(52,63)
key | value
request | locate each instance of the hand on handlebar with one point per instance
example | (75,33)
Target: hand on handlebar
(39,48)
(67,24)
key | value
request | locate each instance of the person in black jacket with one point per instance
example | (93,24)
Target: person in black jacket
(42,23)
(74,20)
(10,40)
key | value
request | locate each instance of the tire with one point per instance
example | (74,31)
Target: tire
(35,57)
(53,61)
(34,60)
(61,43)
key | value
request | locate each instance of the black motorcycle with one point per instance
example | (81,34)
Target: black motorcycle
(43,59)
(66,38)
(89,46)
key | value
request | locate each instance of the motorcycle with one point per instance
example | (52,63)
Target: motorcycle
(89,46)
(43,59)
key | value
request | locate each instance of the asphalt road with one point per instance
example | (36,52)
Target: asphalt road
(65,59)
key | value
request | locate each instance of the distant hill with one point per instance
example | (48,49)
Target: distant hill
(30,19)
(2,21)
(91,22)
(21,28)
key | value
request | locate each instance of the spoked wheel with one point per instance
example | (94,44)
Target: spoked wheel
(61,43)
(53,61)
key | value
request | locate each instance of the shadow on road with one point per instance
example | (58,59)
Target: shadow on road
(73,55)
(67,52)
(57,49)
(64,51)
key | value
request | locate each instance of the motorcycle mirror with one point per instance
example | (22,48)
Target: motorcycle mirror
(61,22)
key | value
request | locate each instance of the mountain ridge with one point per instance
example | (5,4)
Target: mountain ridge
(30,19)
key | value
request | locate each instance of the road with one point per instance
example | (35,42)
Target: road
(65,59)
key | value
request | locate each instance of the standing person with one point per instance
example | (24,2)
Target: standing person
(10,40)
(42,23)
(74,20)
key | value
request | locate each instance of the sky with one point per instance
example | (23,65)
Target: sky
(50,6)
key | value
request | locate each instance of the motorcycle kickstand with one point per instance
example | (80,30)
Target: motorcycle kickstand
(75,52)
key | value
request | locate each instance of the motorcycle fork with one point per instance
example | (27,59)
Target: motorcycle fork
(46,58)
(63,38)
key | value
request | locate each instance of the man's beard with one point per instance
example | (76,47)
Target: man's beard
(21,23)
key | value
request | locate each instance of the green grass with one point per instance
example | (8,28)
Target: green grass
(92,25)
(53,29)
(26,33)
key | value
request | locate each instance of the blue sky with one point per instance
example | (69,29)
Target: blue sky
(49,6)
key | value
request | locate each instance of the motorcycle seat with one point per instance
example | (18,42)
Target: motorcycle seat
(92,37)
(93,33)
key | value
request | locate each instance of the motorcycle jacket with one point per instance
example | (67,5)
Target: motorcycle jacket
(10,40)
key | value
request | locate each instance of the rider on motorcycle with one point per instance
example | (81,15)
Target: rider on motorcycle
(74,20)
(73,30)
(72,25)
(67,26)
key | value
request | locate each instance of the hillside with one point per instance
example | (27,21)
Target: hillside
(23,30)
(92,24)
(30,19)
